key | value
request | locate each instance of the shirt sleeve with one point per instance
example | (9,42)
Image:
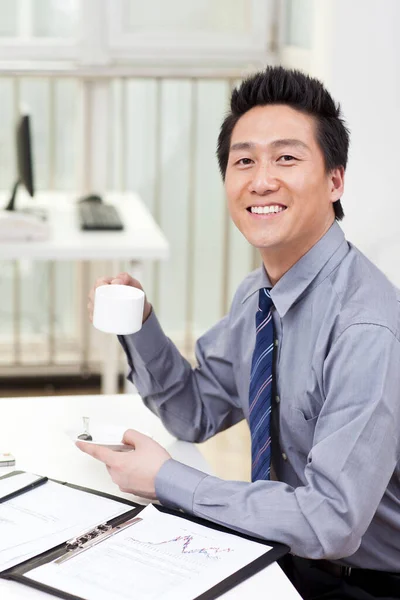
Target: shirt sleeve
(193,403)
(354,454)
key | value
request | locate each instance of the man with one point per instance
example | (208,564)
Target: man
(309,354)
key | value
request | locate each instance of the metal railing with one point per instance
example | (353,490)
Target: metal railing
(54,349)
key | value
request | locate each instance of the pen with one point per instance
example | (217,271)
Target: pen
(26,488)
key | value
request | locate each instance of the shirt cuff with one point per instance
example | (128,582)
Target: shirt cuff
(148,341)
(176,485)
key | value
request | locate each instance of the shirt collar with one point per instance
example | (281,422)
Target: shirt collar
(303,273)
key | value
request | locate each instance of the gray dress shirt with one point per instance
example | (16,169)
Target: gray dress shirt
(335,416)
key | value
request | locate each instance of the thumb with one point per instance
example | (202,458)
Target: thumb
(117,281)
(133,437)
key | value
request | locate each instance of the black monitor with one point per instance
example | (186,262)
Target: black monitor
(23,140)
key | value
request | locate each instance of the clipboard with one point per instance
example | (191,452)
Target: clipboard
(67,549)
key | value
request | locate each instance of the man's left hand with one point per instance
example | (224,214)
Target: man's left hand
(134,472)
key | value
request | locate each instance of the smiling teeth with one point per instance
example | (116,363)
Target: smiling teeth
(265,210)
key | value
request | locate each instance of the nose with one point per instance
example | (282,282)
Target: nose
(263,181)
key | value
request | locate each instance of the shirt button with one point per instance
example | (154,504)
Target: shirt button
(277,399)
(276,342)
(284,456)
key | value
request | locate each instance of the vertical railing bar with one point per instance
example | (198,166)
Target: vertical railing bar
(52,312)
(86,183)
(52,138)
(110,145)
(108,148)
(157,183)
(85,321)
(51,185)
(17,101)
(78,138)
(17,274)
(123,134)
(191,229)
(226,241)
(87,132)
(17,312)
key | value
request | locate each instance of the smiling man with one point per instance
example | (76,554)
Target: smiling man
(279,193)
(309,354)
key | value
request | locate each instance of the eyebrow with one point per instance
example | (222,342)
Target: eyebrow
(290,142)
(275,144)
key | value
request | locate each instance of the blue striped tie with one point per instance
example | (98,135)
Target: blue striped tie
(260,389)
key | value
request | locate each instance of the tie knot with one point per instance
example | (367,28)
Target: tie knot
(264,300)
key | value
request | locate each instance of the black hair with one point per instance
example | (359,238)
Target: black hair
(277,85)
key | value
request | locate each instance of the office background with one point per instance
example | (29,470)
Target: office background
(126,95)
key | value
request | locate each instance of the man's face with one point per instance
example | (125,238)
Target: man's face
(279,194)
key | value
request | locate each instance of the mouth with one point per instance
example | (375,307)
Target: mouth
(266,211)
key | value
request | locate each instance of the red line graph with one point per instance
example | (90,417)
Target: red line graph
(211,552)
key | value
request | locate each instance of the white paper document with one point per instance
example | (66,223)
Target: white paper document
(47,516)
(162,557)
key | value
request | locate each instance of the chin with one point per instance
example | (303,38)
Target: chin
(260,242)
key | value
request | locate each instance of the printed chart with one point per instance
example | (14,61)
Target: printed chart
(163,557)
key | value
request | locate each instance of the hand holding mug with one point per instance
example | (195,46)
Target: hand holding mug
(118,304)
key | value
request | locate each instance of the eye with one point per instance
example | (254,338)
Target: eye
(286,158)
(244,161)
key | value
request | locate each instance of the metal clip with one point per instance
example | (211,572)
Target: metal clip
(79,540)
(92,538)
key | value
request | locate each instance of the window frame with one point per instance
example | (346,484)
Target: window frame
(25,47)
(185,48)
(297,57)
(15,49)
(102,42)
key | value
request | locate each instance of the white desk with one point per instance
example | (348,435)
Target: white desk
(32,429)
(141,240)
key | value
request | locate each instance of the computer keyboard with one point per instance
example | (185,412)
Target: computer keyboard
(96,216)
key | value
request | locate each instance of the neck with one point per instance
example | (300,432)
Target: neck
(278,260)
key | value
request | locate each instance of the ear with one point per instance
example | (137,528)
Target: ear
(336,183)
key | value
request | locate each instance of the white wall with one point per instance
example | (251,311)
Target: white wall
(356,51)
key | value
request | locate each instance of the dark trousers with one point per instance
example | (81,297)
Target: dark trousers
(312,583)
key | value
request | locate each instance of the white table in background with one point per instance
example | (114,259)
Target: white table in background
(33,430)
(141,240)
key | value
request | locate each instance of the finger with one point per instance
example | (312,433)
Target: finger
(105,455)
(117,281)
(133,437)
(125,278)
(103,281)
(129,280)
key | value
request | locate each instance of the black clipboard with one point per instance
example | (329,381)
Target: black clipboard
(18,572)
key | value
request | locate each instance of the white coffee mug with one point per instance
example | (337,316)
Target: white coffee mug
(118,309)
